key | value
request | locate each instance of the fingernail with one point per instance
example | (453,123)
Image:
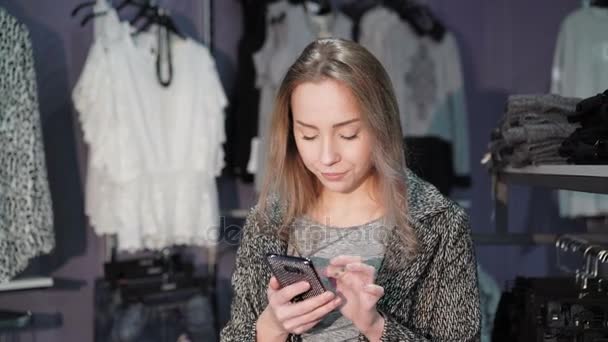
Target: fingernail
(329,294)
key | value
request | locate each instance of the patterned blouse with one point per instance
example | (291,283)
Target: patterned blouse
(26,217)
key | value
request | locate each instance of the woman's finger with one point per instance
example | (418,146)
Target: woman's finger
(334,271)
(343,260)
(304,328)
(306,306)
(351,280)
(286,294)
(302,316)
(361,267)
(274,283)
(375,290)
(362,273)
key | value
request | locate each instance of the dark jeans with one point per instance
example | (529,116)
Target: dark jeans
(119,322)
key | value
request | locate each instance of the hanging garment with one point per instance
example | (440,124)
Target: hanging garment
(290,28)
(430,158)
(26,212)
(242,123)
(154,151)
(489,297)
(427,79)
(580,69)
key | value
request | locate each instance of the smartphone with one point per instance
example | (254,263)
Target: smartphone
(291,269)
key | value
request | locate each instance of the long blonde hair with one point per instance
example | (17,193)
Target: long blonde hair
(286,176)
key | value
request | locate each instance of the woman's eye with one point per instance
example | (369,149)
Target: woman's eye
(352,137)
(308,138)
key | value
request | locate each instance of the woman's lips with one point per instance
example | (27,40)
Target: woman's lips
(333,176)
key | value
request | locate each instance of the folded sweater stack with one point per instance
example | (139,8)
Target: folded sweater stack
(589,143)
(532,130)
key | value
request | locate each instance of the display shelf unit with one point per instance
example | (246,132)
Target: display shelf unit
(584,178)
(13,322)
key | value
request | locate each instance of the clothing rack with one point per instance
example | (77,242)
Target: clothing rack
(593,248)
(212,255)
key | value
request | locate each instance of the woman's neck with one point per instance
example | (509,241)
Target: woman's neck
(358,206)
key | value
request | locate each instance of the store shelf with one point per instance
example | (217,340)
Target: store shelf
(235,213)
(27,284)
(586,178)
(26,321)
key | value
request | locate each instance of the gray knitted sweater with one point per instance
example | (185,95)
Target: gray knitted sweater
(433,297)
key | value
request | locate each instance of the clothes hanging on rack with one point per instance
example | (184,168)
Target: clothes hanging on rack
(427,79)
(549,309)
(26,212)
(154,152)
(430,158)
(290,28)
(580,69)
(242,122)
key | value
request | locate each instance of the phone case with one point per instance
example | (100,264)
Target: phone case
(289,270)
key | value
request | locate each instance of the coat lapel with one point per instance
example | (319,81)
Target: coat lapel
(396,273)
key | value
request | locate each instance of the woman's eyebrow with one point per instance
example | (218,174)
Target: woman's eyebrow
(344,123)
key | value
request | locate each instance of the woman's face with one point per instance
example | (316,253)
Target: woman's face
(331,137)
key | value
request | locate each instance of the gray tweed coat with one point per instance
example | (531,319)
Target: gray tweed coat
(434,297)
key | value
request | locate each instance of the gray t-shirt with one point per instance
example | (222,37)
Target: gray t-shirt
(322,242)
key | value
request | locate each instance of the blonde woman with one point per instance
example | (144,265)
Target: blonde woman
(395,256)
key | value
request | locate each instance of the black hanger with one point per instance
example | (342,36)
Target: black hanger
(93,15)
(425,23)
(155,15)
(82,6)
(89,16)
(420,17)
(126,3)
(324,5)
(599,3)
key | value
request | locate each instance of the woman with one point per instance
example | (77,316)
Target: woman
(337,169)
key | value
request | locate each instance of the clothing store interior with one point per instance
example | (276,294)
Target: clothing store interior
(503,107)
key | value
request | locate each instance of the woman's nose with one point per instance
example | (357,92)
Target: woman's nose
(329,153)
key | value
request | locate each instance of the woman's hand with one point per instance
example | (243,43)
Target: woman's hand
(355,283)
(282,317)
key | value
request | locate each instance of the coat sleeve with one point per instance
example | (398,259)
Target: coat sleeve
(456,315)
(249,290)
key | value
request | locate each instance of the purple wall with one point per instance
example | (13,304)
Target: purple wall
(506,47)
